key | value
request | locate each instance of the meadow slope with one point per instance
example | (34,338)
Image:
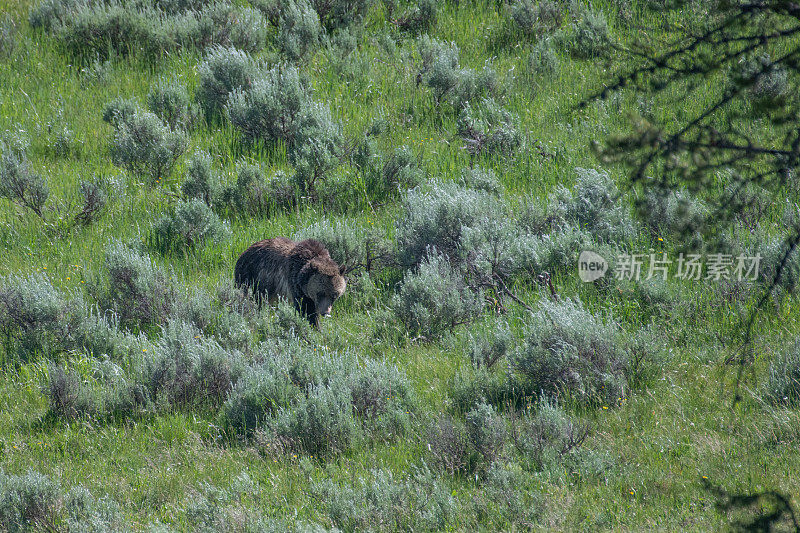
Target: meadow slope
(439,151)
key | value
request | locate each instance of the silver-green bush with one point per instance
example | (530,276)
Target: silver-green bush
(442,72)
(170,101)
(278,108)
(222,71)
(435,216)
(191,224)
(568,351)
(488,129)
(434,298)
(18,183)
(595,204)
(299,29)
(135,288)
(186,368)
(481,179)
(36,318)
(416,503)
(201,182)
(589,36)
(146,147)
(546,437)
(783,380)
(27,501)
(534,18)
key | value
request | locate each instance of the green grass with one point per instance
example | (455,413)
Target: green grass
(668,438)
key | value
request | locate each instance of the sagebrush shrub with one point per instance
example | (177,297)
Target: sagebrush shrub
(543,60)
(286,323)
(87,513)
(187,368)
(481,179)
(434,298)
(201,182)
(36,318)
(547,436)
(93,198)
(779,263)
(440,65)
(594,204)
(383,398)
(97,72)
(170,101)
(416,503)
(335,14)
(551,243)
(191,224)
(145,146)
(229,322)
(347,61)
(274,108)
(320,423)
(34,501)
(99,335)
(299,29)
(318,150)
(782,385)
(47,14)
(442,72)
(486,431)
(254,195)
(150,28)
(244,28)
(435,215)
(489,129)
(110,392)
(8,36)
(136,289)
(100,29)
(678,214)
(69,397)
(567,350)
(559,250)
(489,346)
(120,110)
(222,71)
(535,18)
(18,182)
(278,108)
(496,248)
(767,83)
(474,385)
(449,446)
(422,17)
(298,399)
(505,493)
(590,36)
(401,171)
(257,397)
(28,501)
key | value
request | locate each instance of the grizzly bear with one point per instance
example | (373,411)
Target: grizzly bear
(302,272)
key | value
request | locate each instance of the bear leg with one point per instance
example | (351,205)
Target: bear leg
(308,309)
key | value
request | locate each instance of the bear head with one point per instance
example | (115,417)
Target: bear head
(325,284)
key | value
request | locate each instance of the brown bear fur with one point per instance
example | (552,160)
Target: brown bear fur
(302,272)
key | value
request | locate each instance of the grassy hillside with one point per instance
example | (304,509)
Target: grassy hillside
(133,368)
